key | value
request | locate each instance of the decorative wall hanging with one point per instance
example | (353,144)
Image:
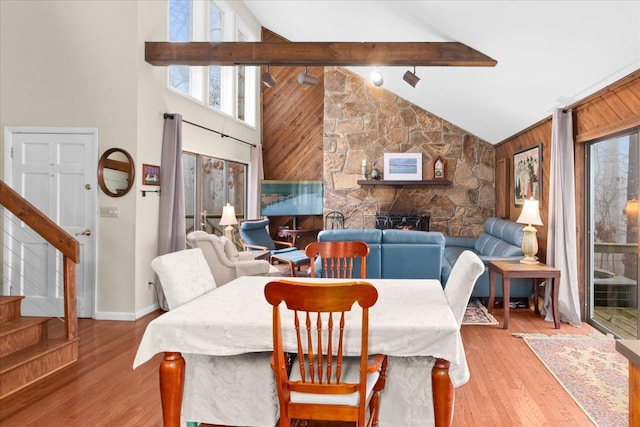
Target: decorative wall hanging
(150,175)
(527,174)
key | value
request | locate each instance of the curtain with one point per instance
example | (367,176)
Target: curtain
(561,236)
(172,222)
(256,175)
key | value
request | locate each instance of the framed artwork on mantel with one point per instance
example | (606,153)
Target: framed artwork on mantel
(527,174)
(438,168)
(403,166)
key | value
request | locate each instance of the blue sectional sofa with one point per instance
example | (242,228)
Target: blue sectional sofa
(500,240)
(395,254)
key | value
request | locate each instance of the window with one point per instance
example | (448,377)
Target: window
(215,71)
(230,90)
(210,183)
(179,31)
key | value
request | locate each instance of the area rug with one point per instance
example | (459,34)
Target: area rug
(591,370)
(477,314)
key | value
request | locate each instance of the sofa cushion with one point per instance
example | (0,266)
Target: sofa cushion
(501,238)
(408,254)
(230,249)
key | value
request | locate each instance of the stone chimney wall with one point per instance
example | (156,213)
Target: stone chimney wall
(362,121)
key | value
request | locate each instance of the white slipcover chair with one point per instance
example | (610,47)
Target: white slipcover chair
(224,260)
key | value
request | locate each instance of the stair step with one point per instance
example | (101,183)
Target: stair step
(10,307)
(28,365)
(22,333)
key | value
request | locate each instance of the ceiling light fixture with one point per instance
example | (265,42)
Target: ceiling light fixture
(307,79)
(377,78)
(411,78)
(268,79)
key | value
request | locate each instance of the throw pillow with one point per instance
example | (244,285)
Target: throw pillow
(230,249)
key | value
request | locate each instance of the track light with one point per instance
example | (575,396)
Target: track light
(307,79)
(411,78)
(268,79)
(377,78)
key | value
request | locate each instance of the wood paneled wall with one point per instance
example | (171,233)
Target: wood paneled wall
(609,111)
(292,126)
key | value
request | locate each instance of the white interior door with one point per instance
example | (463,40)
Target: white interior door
(55,170)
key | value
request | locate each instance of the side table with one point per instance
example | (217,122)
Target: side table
(294,235)
(516,269)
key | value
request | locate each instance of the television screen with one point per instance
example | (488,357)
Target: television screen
(284,198)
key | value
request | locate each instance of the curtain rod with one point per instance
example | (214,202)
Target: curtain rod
(224,135)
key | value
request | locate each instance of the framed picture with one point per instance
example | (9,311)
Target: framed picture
(527,174)
(150,174)
(403,166)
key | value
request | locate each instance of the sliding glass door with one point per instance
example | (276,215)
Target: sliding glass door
(209,184)
(613,223)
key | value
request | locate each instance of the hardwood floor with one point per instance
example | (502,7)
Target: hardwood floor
(508,386)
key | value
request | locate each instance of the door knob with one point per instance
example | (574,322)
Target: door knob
(86,232)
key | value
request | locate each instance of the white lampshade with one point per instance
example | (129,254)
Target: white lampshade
(228,219)
(228,215)
(530,213)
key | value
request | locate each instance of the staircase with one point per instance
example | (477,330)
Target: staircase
(27,354)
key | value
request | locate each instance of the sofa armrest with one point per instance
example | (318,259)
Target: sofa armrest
(251,268)
(488,258)
(253,255)
(463,242)
(283,244)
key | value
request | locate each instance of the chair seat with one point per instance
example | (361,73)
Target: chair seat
(350,374)
(295,257)
(283,250)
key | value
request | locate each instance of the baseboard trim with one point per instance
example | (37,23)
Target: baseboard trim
(125,316)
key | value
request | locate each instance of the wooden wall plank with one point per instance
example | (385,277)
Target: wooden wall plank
(292,120)
(613,109)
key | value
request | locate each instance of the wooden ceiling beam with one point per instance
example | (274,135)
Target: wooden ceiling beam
(439,54)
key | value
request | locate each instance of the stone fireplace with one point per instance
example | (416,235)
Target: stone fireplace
(402,221)
(362,122)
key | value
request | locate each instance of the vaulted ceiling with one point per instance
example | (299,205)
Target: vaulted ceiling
(550,53)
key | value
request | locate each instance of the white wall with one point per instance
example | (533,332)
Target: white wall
(81,64)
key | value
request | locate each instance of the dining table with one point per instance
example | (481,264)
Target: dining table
(217,347)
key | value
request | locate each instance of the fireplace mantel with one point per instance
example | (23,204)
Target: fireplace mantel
(441,182)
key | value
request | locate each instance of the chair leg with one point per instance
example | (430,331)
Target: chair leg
(374,405)
(292,268)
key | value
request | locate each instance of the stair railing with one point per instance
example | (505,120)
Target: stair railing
(58,238)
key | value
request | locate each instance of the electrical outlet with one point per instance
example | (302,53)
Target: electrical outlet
(109,212)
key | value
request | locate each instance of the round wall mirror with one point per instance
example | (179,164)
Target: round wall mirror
(115,172)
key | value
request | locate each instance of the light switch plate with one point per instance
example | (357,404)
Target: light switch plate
(109,212)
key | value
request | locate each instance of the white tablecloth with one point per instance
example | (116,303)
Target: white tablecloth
(410,318)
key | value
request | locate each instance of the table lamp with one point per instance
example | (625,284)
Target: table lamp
(530,215)
(228,219)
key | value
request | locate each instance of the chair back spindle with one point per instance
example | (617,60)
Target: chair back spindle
(338,259)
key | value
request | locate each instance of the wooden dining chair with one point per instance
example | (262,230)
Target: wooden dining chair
(337,259)
(324,383)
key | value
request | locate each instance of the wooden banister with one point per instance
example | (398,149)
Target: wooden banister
(58,238)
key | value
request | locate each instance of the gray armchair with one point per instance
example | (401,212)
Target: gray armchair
(224,260)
